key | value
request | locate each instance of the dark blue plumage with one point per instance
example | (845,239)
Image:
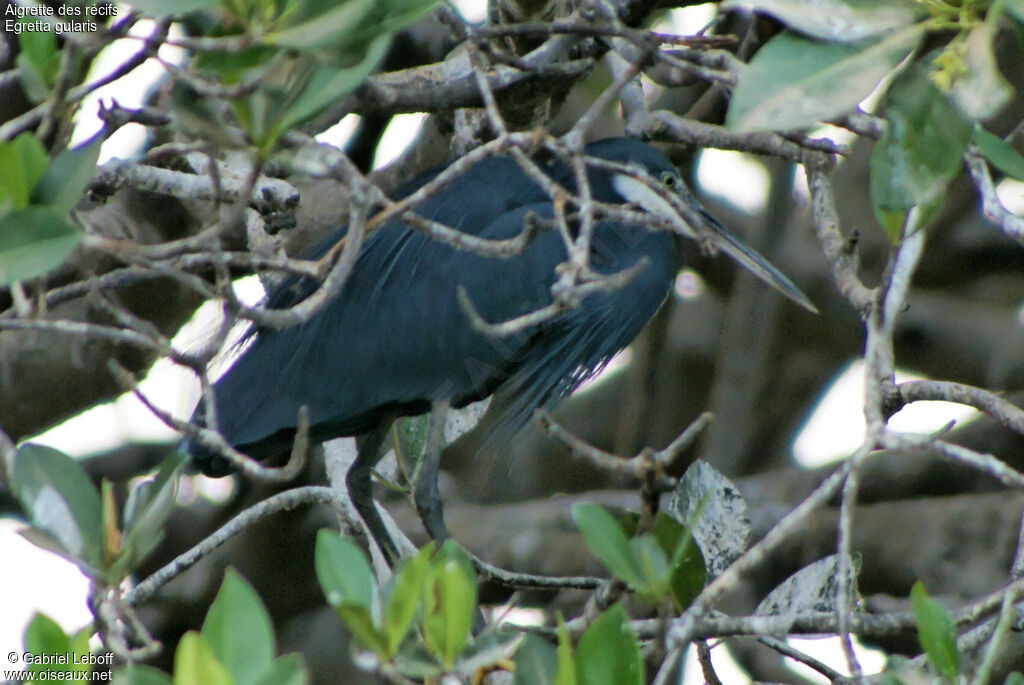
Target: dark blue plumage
(395,338)
(396,341)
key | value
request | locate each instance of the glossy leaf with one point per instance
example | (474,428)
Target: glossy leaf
(328,28)
(44,636)
(449,602)
(38,61)
(843,21)
(403,597)
(195,664)
(688,574)
(654,567)
(38,47)
(1002,156)
(414,661)
(238,630)
(67,176)
(197,117)
(715,513)
(536,662)
(360,623)
(60,500)
(147,508)
(22,162)
(609,652)
(285,670)
(936,632)
(343,571)
(795,82)
(410,434)
(980,91)
(134,674)
(608,542)
(329,83)
(919,153)
(162,8)
(33,241)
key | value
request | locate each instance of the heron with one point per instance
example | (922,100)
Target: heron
(396,340)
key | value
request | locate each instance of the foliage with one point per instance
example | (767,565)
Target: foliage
(36,195)
(260,75)
(69,517)
(838,52)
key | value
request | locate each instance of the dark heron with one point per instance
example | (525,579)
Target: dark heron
(395,341)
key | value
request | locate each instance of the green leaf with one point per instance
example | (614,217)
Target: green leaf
(66,177)
(22,162)
(410,436)
(33,81)
(44,636)
(689,574)
(286,670)
(149,503)
(329,84)
(39,47)
(606,540)
(360,623)
(794,82)
(919,153)
(843,21)
(196,116)
(195,664)
(936,632)
(163,8)
(654,567)
(1002,156)
(1015,678)
(566,673)
(536,662)
(60,500)
(238,631)
(38,60)
(78,646)
(980,91)
(449,603)
(33,241)
(403,597)
(609,652)
(417,663)
(329,28)
(344,573)
(134,674)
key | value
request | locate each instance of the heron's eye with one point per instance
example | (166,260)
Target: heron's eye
(669,179)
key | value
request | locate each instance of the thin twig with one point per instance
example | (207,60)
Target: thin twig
(283,501)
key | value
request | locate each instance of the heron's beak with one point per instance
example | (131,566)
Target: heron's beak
(693,221)
(747,257)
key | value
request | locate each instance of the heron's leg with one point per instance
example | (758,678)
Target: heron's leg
(425,492)
(359,481)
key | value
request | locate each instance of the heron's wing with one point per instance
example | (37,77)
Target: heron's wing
(490,188)
(393,339)
(578,344)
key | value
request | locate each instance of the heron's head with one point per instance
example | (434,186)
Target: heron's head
(641,175)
